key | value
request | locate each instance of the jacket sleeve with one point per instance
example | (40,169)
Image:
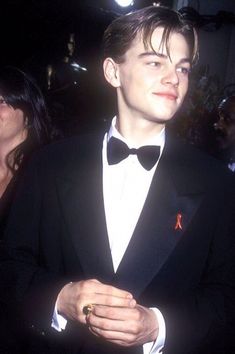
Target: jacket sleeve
(27,278)
(200,319)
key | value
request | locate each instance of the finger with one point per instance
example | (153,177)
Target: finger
(121,338)
(105,302)
(109,306)
(112,291)
(117,313)
(101,323)
(94,286)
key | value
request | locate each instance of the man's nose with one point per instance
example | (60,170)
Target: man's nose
(171,77)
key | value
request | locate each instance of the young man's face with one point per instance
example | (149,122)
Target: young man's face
(151,86)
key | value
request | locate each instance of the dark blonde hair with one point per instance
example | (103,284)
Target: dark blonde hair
(120,34)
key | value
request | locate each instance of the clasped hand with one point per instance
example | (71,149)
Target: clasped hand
(115,316)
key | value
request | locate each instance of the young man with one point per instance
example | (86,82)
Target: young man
(126,247)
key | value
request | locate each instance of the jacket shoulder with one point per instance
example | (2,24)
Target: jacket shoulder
(195,166)
(68,150)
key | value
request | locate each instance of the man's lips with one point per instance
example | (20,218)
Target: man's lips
(168,95)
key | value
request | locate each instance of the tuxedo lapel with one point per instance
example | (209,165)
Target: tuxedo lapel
(81,199)
(157,234)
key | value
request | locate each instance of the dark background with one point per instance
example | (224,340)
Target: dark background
(35,35)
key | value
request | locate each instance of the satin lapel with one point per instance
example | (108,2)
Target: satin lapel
(81,198)
(157,233)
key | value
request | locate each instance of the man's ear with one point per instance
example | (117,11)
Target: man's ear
(111,72)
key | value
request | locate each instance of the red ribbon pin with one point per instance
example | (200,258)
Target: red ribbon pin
(178,225)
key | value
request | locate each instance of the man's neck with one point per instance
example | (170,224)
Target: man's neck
(138,132)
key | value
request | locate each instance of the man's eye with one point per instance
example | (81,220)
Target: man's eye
(184,70)
(2,101)
(154,63)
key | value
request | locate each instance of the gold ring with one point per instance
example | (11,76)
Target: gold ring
(87,309)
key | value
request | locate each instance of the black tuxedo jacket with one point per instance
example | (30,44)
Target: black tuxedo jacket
(57,233)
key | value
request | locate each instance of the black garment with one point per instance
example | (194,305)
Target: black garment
(57,233)
(5,203)
(12,333)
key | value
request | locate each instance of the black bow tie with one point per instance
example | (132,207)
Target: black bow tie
(117,151)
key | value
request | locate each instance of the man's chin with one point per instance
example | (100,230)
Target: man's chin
(163,120)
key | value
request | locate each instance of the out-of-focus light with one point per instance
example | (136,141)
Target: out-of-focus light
(78,67)
(125,3)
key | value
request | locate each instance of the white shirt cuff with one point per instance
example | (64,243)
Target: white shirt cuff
(157,346)
(58,322)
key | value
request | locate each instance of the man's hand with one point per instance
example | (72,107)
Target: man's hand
(126,326)
(74,296)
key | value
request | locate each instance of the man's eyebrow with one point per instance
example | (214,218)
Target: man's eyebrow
(147,54)
(163,56)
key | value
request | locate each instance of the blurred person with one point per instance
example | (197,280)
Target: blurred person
(225,129)
(24,126)
(121,242)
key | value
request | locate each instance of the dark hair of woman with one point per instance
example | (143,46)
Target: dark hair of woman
(20,91)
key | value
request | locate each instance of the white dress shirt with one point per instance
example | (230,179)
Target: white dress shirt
(125,188)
